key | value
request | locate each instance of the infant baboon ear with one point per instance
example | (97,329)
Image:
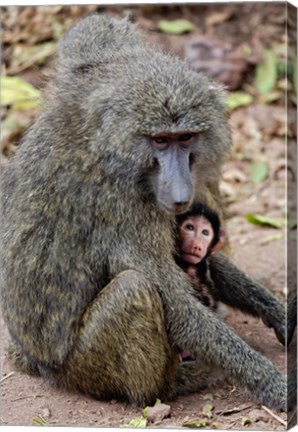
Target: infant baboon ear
(220,243)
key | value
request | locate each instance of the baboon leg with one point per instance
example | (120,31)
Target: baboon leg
(122,350)
(195,376)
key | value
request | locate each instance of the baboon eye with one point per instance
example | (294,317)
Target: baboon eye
(186,137)
(190,227)
(160,142)
(205,232)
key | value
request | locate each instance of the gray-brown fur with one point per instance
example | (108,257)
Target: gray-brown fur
(203,289)
(201,281)
(90,291)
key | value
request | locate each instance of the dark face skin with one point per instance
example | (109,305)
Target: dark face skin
(173,184)
(195,237)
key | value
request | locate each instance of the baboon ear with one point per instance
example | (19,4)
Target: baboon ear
(92,40)
(219,244)
(83,69)
(219,93)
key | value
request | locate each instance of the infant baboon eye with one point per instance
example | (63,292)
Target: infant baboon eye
(205,232)
(160,140)
(190,227)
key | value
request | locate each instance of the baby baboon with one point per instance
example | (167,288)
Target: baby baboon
(198,235)
(91,293)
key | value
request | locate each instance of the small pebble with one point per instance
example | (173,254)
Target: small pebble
(257,415)
(46,413)
(158,413)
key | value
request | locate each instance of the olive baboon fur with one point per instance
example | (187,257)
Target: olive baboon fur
(90,291)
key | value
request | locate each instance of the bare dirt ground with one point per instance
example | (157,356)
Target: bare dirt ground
(259,133)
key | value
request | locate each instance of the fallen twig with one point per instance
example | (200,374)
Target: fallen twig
(229,411)
(233,424)
(19,398)
(283,422)
(6,376)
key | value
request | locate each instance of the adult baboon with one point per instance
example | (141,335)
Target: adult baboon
(91,294)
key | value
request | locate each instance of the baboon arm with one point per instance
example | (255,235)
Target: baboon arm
(234,288)
(192,327)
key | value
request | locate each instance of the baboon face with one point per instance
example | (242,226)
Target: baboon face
(173,181)
(159,129)
(195,238)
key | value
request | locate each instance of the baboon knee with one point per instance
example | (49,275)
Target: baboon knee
(20,360)
(124,326)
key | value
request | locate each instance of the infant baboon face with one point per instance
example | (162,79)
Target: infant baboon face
(195,237)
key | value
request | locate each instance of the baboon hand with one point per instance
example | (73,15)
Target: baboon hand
(279,327)
(280,331)
(290,331)
(274,393)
